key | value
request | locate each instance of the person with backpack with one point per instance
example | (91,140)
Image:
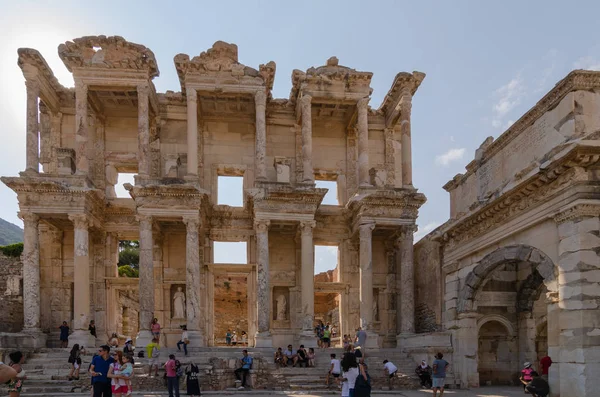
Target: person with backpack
(153,352)
(242,372)
(172,376)
(362,385)
(75,361)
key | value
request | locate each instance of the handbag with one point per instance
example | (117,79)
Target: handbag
(186,341)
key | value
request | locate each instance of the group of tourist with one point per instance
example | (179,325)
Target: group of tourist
(534,383)
(324,333)
(300,357)
(232,339)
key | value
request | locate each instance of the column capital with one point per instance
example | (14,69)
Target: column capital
(362,103)
(366,230)
(28,217)
(306,227)
(262,225)
(143,88)
(81,87)
(405,233)
(143,218)
(305,101)
(192,222)
(260,98)
(191,94)
(80,221)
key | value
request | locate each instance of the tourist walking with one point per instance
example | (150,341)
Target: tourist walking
(184,340)
(92,328)
(362,385)
(64,335)
(545,364)
(192,373)
(439,374)
(349,374)
(155,329)
(172,378)
(390,370)
(15,385)
(153,353)
(361,337)
(242,372)
(75,361)
(335,369)
(99,371)
(423,371)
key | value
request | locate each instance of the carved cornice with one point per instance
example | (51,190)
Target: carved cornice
(404,85)
(578,211)
(386,203)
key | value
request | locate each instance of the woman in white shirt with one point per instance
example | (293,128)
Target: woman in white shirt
(349,374)
(184,340)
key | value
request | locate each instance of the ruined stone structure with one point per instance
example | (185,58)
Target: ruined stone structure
(223,122)
(517,265)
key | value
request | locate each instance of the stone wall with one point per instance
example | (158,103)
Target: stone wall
(231,306)
(11,294)
(428,299)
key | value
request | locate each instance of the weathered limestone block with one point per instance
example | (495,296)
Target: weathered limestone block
(283,166)
(66,161)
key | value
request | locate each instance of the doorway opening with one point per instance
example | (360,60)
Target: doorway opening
(230,310)
(327,313)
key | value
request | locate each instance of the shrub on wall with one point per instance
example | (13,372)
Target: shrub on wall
(12,250)
(128,271)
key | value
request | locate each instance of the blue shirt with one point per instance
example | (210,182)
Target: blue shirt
(101,365)
(246,362)
(440,370)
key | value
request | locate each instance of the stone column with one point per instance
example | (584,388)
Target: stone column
(192,132)
(307,165)
(366,283)
(31,272)
(465,342)
(307,272)
(578,354)
(143,93)
(407,281)
(146,280)
(260,103)
(81,282)
(81,128)
(405,109)
(363,142)
(263,296)
(192,282)
(32,154)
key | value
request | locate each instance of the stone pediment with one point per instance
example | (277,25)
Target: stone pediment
(113,52)
(222,59)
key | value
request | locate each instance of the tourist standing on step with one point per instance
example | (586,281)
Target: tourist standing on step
(184,340)
(234,338)
(75,361)
(99,371)
(326,337)
(228,337)
(390,370)
(92,328)
(15,385)
(242,372)
(172,378)
(349,373)
(439,374)
(153,352)
(361,337)
(64,335)
(155,329)
(335,370)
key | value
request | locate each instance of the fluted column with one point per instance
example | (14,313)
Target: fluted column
(81,282)
(32,154)
(31,272)
(363,142)
(307,282)
(192,132)
(405,110)
(81,128)
(263,296)
(260,103)
(307,165)
(146,280)
(407,281)
(143,93)
(193,282)
(366,276)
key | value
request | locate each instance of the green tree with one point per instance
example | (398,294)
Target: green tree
(128,271)
(130,257)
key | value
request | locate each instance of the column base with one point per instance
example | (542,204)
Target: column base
(196,339)
(143,338)
(372,341)
(28,338)
(83,338)
(263,339)
(307,338)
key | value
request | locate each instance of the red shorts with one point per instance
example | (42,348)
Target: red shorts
(119,389)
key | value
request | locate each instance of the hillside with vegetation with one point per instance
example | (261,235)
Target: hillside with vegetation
(9,233)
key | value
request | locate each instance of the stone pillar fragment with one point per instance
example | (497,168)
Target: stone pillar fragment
(143,93)
(31,272)
(263,296)
(307,164)
(81,282)
(32,156)
(405,110)
(407,281)
(363,142)
(193,281)
(146,281)
(307,281)
(465,342)
(366,282)
(260,103)
(81,128)
(192,132)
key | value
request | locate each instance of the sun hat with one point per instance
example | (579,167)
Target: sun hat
(527,364)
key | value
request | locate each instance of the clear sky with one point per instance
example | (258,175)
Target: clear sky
(486,62)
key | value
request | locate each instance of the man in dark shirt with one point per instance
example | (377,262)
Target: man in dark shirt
(538,387)
(302,356)
(99,370)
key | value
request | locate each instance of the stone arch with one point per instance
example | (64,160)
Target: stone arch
(498,318)
(512,253)
(529,292)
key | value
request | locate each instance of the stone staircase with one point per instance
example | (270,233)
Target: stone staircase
(47,371)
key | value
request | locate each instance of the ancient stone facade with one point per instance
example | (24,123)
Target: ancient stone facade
(223,121)
(518,259)
(11,293)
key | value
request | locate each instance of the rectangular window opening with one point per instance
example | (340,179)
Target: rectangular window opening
(326,262)
(331,197)
(230,252)
(123,178)
(129,258)
(230,191)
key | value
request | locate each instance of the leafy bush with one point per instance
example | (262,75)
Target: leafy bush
(128,271)
(12,250)
(130,256)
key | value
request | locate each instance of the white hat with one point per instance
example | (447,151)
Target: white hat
(527,364)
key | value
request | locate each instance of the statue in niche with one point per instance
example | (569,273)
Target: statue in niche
(281,308)
(179,303)
(375,308)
